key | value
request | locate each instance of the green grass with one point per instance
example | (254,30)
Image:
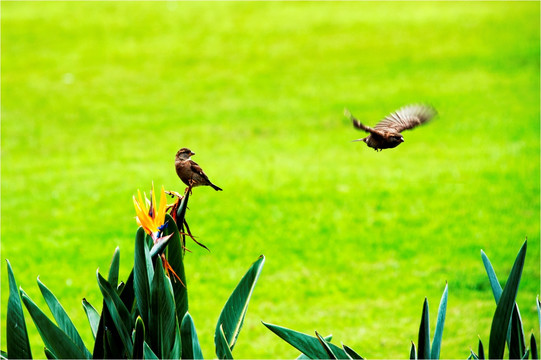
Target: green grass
(97,97)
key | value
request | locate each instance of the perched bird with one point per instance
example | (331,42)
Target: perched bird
(189,172)
(386,134)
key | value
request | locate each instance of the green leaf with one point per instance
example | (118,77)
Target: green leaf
(223,350)
(176,351)
(162,318)
(492,278)
(110,339)
(496,288)
(18,346)
(502,315)
(326,347)
(517,342)
(350,352)
(423,351)
(99,344)
(53,337)
(148,353)
(62,318)
(232,315)
(143,271)
(175,257)
(93,317)
(308,345)
(159,247)
(533,347)
(413,352)
(472,356)
(127,294)
(438,334)
(138,339)
(526,354)
(481,350)
(113,269)
(120,315)
(190,343)
(181,211)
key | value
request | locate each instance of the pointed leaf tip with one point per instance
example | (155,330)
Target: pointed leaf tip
(438,334)
(308,345)
(504,309)
(326,347)
(190,343)
(62,318)
(413,351)
(232,316)
(423,343)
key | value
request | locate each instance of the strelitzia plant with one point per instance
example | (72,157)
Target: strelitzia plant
(144,317)
(506,326)
(321,348)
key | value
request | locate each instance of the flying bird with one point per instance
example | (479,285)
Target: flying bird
(387,133)
(189,172)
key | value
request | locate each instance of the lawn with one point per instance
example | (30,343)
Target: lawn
(98,96)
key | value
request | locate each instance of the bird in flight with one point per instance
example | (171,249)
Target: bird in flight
(387,133)
(189,172)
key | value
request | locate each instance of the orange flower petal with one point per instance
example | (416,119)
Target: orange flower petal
(160,216)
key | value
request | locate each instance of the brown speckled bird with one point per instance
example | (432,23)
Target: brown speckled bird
(189,172)
(387,133)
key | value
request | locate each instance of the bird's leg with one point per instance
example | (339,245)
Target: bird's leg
(189,188)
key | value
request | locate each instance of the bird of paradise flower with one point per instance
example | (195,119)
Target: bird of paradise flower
(151,216)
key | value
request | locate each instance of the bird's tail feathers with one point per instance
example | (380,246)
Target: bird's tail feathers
(356,123)
(349,115)
(359,125)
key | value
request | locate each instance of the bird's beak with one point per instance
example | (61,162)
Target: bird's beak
(192,153)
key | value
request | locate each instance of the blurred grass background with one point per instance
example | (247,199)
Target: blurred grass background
(98,96)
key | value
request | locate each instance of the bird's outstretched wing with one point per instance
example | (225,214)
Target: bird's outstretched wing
(358,125)
(406,118)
